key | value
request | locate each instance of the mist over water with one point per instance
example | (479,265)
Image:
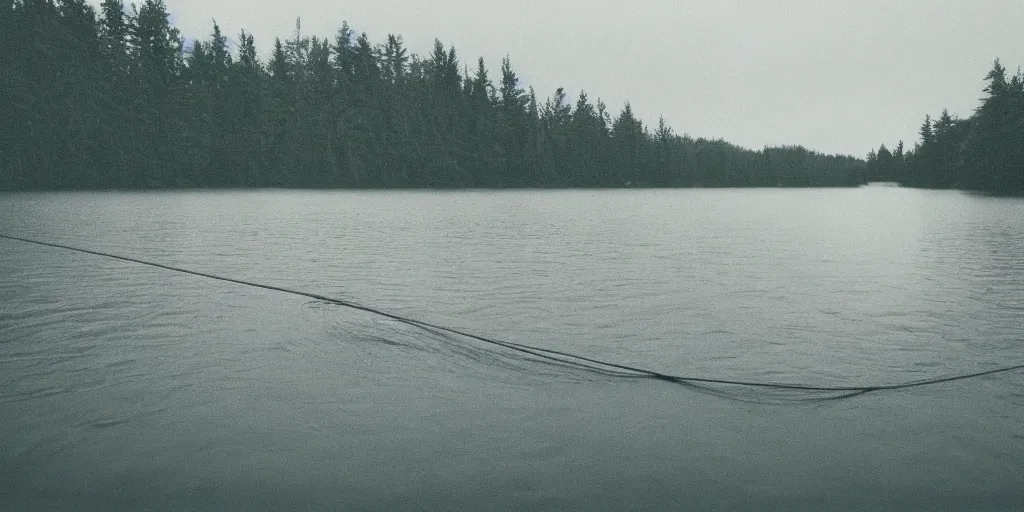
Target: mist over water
(128,387)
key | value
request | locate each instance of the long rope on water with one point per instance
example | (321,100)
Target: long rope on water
(544,353)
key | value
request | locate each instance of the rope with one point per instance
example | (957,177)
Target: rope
(543,353)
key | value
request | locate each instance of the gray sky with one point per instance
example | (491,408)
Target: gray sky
(836,76)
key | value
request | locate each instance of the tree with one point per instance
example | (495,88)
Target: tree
(247,132)
(946,151)
(512,97)
(156,45)
(982,152)
(664,172)
(628,140)
(484,155)
(395,58)
(588,141)
(991,147)
(116,100)
(159,122)
(114,36)
(516,129)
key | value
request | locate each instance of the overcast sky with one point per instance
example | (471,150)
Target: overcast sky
(835,76)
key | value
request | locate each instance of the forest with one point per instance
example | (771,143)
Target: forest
(114,98)
(984,152)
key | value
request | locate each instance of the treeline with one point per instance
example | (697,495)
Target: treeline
(115,99)
(984,152)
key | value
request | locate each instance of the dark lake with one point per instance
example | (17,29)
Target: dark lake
(125,387)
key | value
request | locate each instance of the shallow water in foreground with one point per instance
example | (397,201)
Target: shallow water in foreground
(128,387)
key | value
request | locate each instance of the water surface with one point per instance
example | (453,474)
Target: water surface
(128,387)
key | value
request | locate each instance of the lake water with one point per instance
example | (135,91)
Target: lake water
(125,387)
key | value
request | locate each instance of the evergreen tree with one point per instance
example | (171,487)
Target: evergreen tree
(628,139)
(515,132)
(588,140)
(983,152)
(990,146)
(245,108)
(665,160)
(484,152)
(115,101)
(160,123)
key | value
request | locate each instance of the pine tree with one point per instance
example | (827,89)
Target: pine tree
(989,146)
(116,101)
(395,59)
(515,132)
(629,140)
(665,160)
(588,144)
(160,122)
(246,109)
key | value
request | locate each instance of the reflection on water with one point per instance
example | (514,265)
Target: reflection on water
(127,387)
